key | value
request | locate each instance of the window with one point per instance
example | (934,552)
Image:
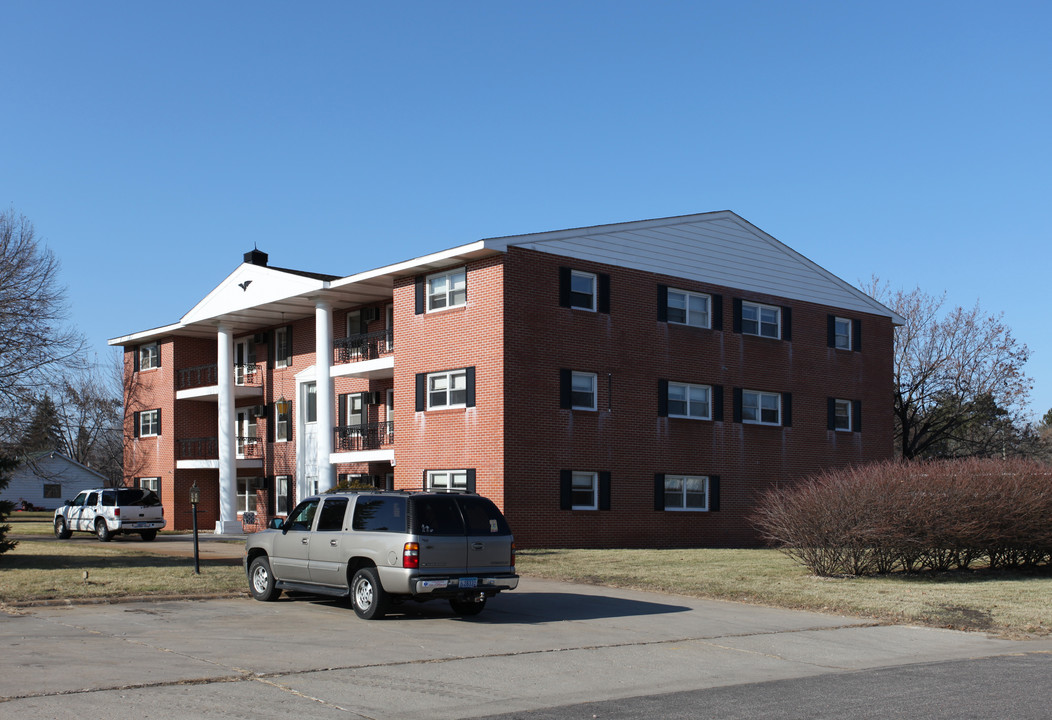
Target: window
(582,391)
(584,491)
(302,516)
(390,404)
(282,349)
(149,423)
(332,512)
(52,491)
(446,290)
(151,483)
(687,308)
(283,420)
(447,479)
(686,492)
(842,415)
(447,389)
(149,356)
(310,402)
(762,320)
(761,408)
(246,493)
(380,514)
(689,401)
(281,501)
(582,290)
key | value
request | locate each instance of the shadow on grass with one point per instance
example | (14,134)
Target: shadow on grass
(114,561)
(976,575)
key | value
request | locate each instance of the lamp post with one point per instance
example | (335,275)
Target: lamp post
(195,497)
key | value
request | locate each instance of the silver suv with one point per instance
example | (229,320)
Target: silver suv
(383,548)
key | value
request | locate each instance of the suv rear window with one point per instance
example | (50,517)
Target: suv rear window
(379,514)
(135,496)
(483,517)
(436,516)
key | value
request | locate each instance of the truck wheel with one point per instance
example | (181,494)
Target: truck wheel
(467,608)
(103,531)
(148,535)
(261,581)
(368,598)
(62,532)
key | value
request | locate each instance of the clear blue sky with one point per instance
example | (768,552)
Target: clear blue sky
(152,144)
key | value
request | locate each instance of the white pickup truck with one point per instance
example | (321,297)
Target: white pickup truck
(111,511)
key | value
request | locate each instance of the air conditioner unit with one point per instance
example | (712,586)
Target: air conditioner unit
(259,338)
(371,314)
(375,397)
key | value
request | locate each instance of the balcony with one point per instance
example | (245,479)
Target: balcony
(203,453)
(370,442)
(202,382)
(369,355)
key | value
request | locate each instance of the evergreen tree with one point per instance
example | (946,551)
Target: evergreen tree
(44,431)
(6,507)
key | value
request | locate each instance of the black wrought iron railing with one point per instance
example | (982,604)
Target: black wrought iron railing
(370,436)
(249,446)
(197,449)
(205,375)
(367,346)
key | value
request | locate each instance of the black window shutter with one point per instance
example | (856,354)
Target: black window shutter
(714,493)
(135,423)
(856,416)
(469,382)
(831,414)
(423,481)
(856,332)
(831,331)
(565,387)
(737,416)
(421,300)
(787,323)
(604,490)
(290,495)
(736,321)
(272,500)
(158,421)
(341,410)
(421,392)
(603,301)
(272,348)
(471,479)
(288,344)
(272,422)
(659,492)
(565,489)
(662,398)
(135,358)
(662,299)
(564,287)
(787,409)
(717,403)
(717,312)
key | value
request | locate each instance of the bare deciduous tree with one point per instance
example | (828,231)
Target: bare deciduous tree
(952,369)
(34,340)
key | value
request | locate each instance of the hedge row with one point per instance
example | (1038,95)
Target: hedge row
(939,515)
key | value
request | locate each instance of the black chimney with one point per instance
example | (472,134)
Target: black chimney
(256,257)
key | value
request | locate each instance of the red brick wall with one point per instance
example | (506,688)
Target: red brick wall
(630,350)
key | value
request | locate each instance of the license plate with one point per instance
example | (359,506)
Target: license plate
(469,582)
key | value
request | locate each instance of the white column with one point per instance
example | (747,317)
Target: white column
(227,425)
(325,389)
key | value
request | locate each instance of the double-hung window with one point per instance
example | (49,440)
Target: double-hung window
(149,423)
(687,308)
(583,391)
(761,408)
(842,415)
(151,483)
(584,491)
(689,401)
(283,415)
(582,290)
(149,356)
(687,492)
(447,389)
(282,351)
(281,491)
(842,333)
(447,479)
(447,289)
(246,493)
(762,320)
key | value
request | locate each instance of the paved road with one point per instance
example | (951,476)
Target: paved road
(547,645)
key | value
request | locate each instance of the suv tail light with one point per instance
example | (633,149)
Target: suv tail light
(116,512)
(513,554)
(411,555)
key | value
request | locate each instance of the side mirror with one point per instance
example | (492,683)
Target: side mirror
(276,523)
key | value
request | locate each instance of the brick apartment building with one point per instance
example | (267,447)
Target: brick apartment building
(636,384)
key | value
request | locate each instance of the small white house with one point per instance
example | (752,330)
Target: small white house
(48,479)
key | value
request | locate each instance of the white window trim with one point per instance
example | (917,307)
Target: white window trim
(252,484)
(850,412)
(688,386)
(279,361)
(595,390)
(594,476)
(688,295)
(595,290)
(278,422)
(759,324)
(449,375)
(836,334)
(454,479)
(281,496)
(151,483)
(155,414)
(759,407)
(155,356)
(449,275)
(683,491)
